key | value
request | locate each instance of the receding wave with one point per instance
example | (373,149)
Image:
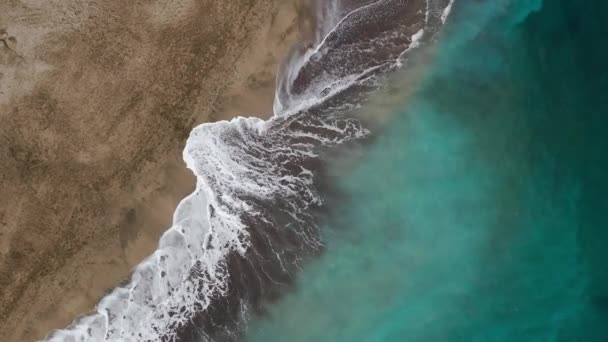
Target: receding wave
(240,238)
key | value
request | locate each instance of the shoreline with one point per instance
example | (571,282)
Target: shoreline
(252,228)
(82,209)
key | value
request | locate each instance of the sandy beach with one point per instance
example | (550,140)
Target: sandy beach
(97,99)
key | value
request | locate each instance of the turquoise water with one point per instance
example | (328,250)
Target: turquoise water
(481,213)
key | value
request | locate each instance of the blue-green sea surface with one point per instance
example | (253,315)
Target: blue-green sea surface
(481,213)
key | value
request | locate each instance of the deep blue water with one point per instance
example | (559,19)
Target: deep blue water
(480,212)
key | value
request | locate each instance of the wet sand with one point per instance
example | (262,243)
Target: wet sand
(97,99)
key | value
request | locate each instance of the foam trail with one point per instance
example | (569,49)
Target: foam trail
(446,11)
(245,231)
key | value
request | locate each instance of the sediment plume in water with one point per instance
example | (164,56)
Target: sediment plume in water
(237,242)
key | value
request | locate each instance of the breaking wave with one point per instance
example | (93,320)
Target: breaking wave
(240,238)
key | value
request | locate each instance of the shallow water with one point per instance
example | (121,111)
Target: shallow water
(480,213)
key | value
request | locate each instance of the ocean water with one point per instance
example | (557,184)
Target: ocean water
(480,212)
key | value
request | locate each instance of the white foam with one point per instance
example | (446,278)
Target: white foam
(447,11)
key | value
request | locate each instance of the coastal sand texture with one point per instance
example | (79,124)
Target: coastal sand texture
(97,99)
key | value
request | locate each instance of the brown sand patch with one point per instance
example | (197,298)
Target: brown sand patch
(97,99)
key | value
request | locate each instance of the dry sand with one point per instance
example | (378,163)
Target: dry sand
(97,99)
